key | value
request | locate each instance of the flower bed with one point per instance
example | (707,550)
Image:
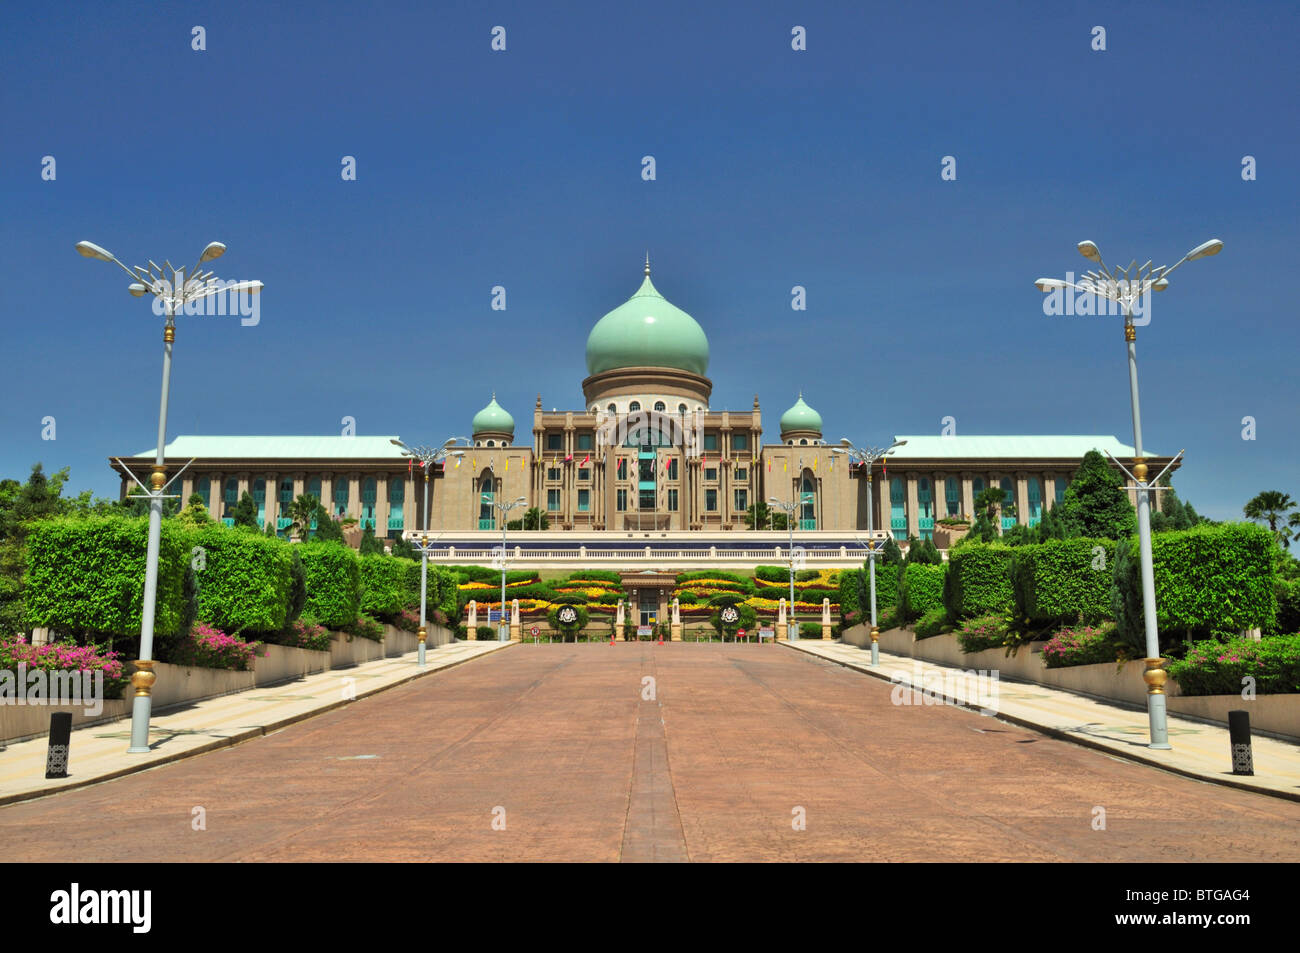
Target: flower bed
(207,647)
(1082,645)
(1217,668)
(366,628)
(981,632)
(66,657)
(304,634)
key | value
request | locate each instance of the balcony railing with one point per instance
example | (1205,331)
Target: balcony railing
(1008,522)
(397,522)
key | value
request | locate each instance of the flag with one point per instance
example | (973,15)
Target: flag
(885,463)
(476,464)
(507,468)
(410,463)
(814,464)
(769,464)
(785,466)
(586,460)
(458,463)
(569,458)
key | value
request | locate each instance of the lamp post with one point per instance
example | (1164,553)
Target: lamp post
(867,458)
(789,510)
(504,509)
(1127,291)
(174,293)
(427,456)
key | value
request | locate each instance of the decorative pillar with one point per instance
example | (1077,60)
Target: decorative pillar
(676,632)
(1022,498)
(472,625)
(1049,491)
(826,618)
(515,628)
(782,628)
(354,494)
(967,495)
(619,621)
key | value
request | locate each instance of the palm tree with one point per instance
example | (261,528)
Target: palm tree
(989,501)
(1271,506)
(302,511)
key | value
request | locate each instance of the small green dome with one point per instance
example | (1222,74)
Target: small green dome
(801,417)
(647,331)
(493,419)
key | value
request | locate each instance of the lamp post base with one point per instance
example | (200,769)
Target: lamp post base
(423,634)
(143,679)
(875,648)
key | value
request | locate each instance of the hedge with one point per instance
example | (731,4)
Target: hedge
(1063,580)
(384,589)
(88,573)
(887,576)
(244,580)
(1208,580)
(1217,668)
(978,580)
(920,590)
(740,583)
(487,574)
(852,593)
(596,575)
(333,574)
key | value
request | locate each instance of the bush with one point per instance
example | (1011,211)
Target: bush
(851,598)
(886,619)
(246,581)
(920,590)
(1062,581)
(1209,580)
(982,632)
(745,617)
(333,581)
(737,583)
(573,627)
(88,574)
(303,633)
(596,575)
(385,584)
(978,581)
(1217,668)
(932,623)
(485,633)
(66,657)
(365,627)
(206,647)
(1087,645)
(810,630)
(887,577)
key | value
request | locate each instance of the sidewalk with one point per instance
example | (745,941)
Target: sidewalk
(1200,750)
(98,752)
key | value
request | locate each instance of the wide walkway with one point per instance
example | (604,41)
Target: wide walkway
(638,751)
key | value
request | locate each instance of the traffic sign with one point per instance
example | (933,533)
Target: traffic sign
(534,631)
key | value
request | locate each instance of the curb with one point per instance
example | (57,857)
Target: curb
(230,742)
(1083,742)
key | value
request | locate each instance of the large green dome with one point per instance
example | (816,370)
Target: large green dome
(801,417)
(647,331)
(494,419)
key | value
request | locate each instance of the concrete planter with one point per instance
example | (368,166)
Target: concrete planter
(349,650)
(283,663)
(945,536)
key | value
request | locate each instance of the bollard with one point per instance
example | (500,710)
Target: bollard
(56,759)
(1243,762)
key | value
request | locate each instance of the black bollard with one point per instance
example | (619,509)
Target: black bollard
(56,759)
(1243,762)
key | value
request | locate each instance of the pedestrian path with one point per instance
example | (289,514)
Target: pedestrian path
(1199,750)
(98,752)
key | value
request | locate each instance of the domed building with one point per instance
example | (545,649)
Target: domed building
(645,469)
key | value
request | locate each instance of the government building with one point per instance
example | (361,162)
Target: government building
(644,468)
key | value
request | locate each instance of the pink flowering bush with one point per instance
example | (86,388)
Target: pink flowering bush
(1081,645)
(66,657)
(408,620)
(982,632)
(206,647)
(306,633)
(1217,668)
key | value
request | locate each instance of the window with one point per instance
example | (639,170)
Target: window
(313,487)
(584,501)
(710,441)
(341,491)
(1061,484)
(286,493)
(672,468)
(368,494)
(681,408)
(552,473)
(742,500)
(952,493)
(711,473)
(646,499)
(646,470)
(977,486)
(396,498)
(621,498)
(740,441)
(620,469)
(660,406)
(742,473)
(808,511)
(584,473)
(803,441)
(672,501)
(553,500)
(585,441)
(1035,500)
(486,511)
(634,406)
(612,409)
(493,443)
(897,508)
(203,488)
(259,497)
(555,441)
(925,505)
(711,500)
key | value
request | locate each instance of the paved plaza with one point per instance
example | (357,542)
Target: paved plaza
(646,752)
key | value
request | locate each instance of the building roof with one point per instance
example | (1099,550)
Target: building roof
(493,419)
(279,448)
(801,417)
(1012,447)
(647,331)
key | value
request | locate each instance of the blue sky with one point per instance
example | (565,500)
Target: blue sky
(775,168)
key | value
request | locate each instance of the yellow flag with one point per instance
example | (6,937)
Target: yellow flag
(785,466)
(814,464)
(507,469)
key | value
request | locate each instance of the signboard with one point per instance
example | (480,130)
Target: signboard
(534,631)
(644,630)
(494,615)
(766,633)
(740,633)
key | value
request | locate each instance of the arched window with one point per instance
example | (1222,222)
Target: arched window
(897,508)
(952,493)
(368,494)
(634,406)
(977,486)
(1008,502)
(341,491)
(486,511)
(660,406)
(612,409)
(1035,501)
(803,441)
(681,408)
(230,496)
(924,500)
(1061,483)
(259,497)
(807,508)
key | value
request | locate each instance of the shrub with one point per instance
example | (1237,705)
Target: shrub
(246,582)
(1095,503)
(887,577)
(384,584)
(851,600)
(982,632)
(572,627)
(745,617)
(810,630)
(408,620)
(66,657)
(1217,668)
(303,633)
(932,623)
(737,583)
(206,647)
(886,619)
(485,633)
(1062,581)
(978,581)
(365,627)
(1209,580)
(596,575)
(1086,645)
(920,590)
(333,581)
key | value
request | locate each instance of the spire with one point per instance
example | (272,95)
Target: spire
(647,263)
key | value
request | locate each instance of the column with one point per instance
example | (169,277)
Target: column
(327,491)
(912,528)
(1049,491)
(414,489)
(215,491)
(1022,498)
(382,506)
(967,495)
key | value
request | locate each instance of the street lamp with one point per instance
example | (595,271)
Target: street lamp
(504,509)
(1127,292)
(174,292)
(792,631)
(867,458)
(427,456)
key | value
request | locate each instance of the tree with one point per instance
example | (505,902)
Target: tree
(923,551)
(404,548)
(370,543)
(195,513)
(327,527)
(1095,502)
(891,554)
(302,511)
(1272,507)
(536,518)
(245,512)
(1051,526)
(987,504)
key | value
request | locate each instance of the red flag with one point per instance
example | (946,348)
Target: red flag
(410,462)
(569,458)
(586,459)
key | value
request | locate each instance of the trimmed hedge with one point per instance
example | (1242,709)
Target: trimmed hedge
(1209,579)
(384,581)
(487,574)
(920,590)
(1063,581)
(333,576)
(932,623)
(246,580)
(596,575)
(851,597)
(978,580)
(1217,668)
(89,574)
